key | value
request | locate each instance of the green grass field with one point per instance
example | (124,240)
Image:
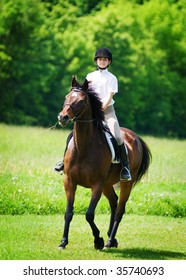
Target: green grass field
(139,237)
(156,211)
(30,186)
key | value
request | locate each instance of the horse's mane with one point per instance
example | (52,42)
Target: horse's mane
(96,104)
(95,101)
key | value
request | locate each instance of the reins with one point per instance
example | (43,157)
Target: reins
(83,121)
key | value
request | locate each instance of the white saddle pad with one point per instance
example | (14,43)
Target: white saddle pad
(114,159)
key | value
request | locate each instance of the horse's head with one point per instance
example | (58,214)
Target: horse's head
(75,102)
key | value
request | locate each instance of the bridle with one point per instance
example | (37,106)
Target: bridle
(81,110)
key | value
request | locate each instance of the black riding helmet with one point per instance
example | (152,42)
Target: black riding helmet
(103,52)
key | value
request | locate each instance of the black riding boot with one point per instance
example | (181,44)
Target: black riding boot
(125,172)
(59,167)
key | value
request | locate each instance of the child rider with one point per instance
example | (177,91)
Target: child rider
(105,84)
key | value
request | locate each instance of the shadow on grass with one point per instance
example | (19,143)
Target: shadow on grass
(146,254)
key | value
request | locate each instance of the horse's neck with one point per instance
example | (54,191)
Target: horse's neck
(83,136)
(84,133)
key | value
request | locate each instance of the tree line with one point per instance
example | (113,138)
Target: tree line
(43,43)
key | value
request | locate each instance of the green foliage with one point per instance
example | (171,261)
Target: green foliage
(28,184)
(44,43)
(31,68)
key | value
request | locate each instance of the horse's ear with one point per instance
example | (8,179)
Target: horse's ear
(74,82)
(85,85)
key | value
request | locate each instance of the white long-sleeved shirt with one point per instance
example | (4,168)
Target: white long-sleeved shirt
(103,83)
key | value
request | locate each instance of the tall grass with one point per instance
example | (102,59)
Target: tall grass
(28,184)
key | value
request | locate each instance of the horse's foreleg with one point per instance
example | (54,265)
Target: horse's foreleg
(70,194)
(120,210)
(98,241)
(68,218)
(112,197)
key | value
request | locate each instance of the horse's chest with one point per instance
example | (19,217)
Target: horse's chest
(82,170)
(84,174)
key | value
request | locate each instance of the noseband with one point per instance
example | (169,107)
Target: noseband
(80,111)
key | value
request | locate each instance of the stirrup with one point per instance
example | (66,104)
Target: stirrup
(125,175)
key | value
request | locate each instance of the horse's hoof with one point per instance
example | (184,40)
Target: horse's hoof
(63,244)
(111,244)
(61,247)
(99,243)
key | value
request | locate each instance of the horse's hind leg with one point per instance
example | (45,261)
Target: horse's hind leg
(125,190)
(98,241)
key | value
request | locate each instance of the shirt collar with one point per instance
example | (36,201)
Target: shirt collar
(104,71)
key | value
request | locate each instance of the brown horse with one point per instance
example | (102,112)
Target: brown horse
(87,161)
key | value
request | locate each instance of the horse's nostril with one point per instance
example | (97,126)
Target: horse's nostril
(62,118)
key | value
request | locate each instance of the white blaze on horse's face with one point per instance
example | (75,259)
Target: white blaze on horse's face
(74,94)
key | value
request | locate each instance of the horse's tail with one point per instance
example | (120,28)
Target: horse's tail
(146,160)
